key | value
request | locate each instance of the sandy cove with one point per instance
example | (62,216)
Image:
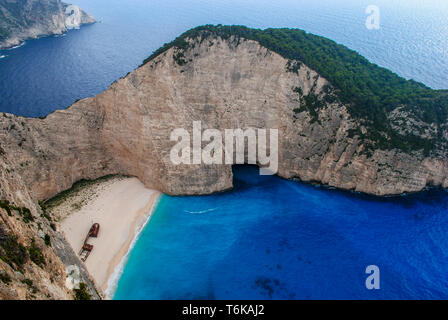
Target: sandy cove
(121,206)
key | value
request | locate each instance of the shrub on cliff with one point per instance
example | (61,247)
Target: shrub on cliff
(11,251)
(82,293)
(36,254)
(24,212)
(4,277)
(47,240)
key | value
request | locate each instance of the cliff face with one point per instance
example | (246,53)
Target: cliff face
(225,84)
(34,257)
(35,260)
(27,19)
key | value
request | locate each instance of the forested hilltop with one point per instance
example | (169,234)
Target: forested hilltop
(396,113)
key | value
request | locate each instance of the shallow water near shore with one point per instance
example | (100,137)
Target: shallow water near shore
(276,239)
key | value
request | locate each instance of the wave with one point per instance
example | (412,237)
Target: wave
(201,212)
(18,46)
(112,283)
(3,56)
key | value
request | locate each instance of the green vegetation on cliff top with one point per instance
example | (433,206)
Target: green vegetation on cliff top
(369,91)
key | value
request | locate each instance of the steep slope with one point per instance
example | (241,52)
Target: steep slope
(225,81)
(34,256)
(26,19)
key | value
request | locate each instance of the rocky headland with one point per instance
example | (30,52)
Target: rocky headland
(227,78)
(21,20)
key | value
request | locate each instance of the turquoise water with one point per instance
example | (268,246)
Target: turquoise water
(277,239)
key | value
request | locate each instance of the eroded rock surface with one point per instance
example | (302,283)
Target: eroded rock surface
(225,84)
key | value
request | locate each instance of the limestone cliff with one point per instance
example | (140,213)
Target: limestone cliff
(224,83)
(27,19)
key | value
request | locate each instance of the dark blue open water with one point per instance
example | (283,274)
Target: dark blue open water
(269,238)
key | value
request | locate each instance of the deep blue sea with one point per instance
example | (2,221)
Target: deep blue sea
(269,238)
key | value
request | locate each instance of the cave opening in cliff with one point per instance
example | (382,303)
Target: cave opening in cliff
(246,175)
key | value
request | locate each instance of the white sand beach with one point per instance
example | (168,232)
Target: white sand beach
(121,206)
